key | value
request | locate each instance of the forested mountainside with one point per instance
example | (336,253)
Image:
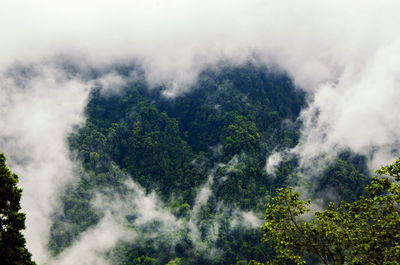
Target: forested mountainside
(199,158)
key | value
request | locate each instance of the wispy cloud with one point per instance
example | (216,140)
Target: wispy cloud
(36,116)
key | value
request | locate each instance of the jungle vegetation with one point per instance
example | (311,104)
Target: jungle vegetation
(219,132)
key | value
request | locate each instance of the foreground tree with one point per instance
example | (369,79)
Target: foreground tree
(366,231)
(12,242)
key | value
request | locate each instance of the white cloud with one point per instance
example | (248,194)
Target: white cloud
(359,111)
(246,219)
(273,162)
(92,244)
(35,117)
(174,39)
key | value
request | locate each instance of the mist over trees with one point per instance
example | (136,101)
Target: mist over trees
(154,132)
(198,158)
(184,179)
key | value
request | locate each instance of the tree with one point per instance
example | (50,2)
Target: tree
(12,242)
(366,231)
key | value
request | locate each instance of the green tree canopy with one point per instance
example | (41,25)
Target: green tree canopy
(366,231)
(12,242)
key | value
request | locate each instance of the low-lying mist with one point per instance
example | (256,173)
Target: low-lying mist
(343,55)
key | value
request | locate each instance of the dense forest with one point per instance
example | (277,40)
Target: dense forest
(201,155)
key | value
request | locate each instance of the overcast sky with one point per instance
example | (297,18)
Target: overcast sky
(314,40)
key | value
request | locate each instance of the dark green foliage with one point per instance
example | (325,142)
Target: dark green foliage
(156,139)
(225,128)
(244,97)
(12,242)
(241,244)
(151,150)
(346,176)
(76,210)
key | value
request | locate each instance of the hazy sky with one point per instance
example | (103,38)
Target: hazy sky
(344,53)
(314,40)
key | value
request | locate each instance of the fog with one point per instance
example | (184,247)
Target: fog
(344,54)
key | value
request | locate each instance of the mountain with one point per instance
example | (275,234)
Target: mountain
(184,176)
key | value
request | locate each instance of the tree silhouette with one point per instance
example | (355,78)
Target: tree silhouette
(12,242)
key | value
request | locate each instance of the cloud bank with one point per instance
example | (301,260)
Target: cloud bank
(315,41)
(38,107)
(343,53)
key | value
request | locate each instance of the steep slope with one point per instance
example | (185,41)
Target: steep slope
(200,157)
